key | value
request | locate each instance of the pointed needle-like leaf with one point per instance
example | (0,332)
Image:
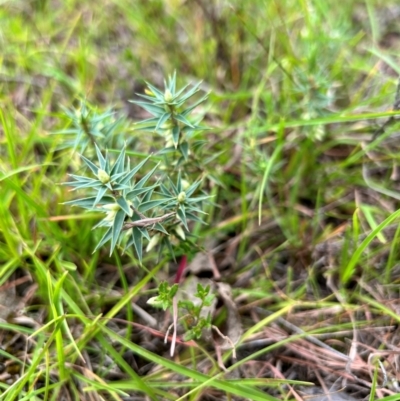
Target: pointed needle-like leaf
(175,135)
(194,105)
(137,242)
(184,120)
(182,216)
(151,204)
(191,92)
(99,196)
(150,107)
(138,191)
(184,149)
(91,165)
(102,160)
(162,120)
(117,228)
(172,83)
(119,164)
(124,206)
(106,237)
(129,176)
(143,181)
(157,93)
(193,188)
(87,203)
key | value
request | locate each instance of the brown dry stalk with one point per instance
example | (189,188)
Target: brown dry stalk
(147,221)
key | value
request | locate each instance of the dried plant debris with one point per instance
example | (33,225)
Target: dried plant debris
(318,394)
(8,301)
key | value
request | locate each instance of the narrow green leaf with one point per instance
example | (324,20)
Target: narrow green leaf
(147,197)
(147,97)
(175,135)
(198,199)
(157,93)
(117,228)
(184,149)
(91,165)
(84,184)
(147,121)
(119,164)
(184,120)
(194,105)
(124,205)
(87,203)
(172,83)
(58,288)
(146,177)
(126,367)
(159,227)
(192,208)
(213,157)
(174,189)
(151,204)
(164,190)
(177,94)
(190,93)
(165,151)
(157,111)
(349,271)
(193,188)
(102,160)
(168,244)
(137,242)
(162,120)
(106,237)
(93,385)
(99,196)
(182,216)
(129,175)
(102,223)
(138,191)
(193,217)
(119,187)
(179,182)
(79,178)
(130,242)
(93,185)
(145,233)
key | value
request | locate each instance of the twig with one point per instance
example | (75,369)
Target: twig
(227,339)
(147,221)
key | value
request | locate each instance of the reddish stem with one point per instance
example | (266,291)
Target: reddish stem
(181,269)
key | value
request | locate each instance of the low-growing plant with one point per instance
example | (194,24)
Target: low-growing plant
(159,206)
